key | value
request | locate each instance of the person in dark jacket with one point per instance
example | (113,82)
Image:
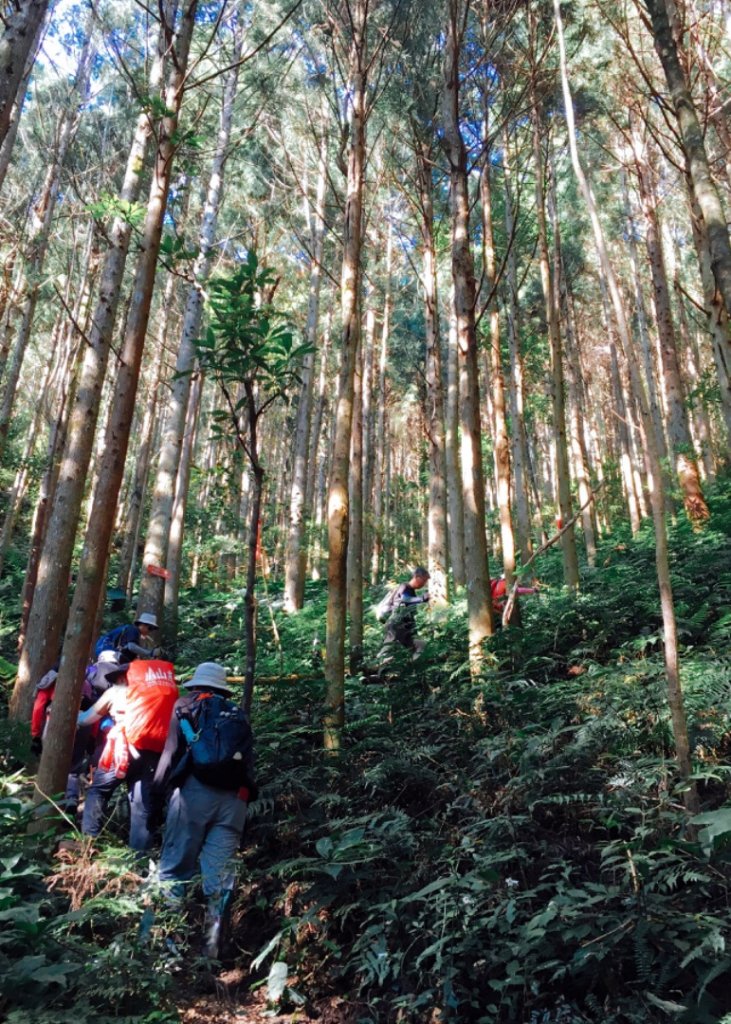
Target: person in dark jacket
(401,623)
(131,641)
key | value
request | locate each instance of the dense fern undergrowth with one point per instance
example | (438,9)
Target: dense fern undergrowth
(508,850)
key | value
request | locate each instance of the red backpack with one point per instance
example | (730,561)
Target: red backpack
(151,694)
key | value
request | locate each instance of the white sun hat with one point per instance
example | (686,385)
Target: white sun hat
(146,619)
(209,675)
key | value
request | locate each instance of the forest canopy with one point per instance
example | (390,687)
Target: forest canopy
(311,309)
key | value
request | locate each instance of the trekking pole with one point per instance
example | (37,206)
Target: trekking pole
(510,603)
(275,631)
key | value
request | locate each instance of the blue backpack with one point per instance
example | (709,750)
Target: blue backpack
(115,639)
(220,741)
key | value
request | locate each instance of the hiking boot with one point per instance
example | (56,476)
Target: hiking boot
(419,646)
(212,934)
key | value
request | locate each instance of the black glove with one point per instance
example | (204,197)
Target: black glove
(36,745)
(426,597)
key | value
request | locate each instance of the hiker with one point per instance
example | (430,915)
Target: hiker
(85,737)
(400,620)
(129,640)
(208,759)
(499,597)
(139,702)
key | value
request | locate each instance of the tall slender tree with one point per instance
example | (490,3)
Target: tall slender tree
(479,604)
(77,643)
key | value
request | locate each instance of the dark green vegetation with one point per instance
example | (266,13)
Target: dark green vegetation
(513,851)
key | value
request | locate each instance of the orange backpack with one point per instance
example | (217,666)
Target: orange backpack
(151,694)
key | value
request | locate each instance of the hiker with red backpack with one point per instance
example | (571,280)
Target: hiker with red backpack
(208,760)
(140,701)
(499,596)
(86,736)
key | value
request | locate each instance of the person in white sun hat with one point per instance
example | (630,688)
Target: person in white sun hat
(208,761)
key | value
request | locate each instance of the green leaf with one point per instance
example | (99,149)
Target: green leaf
(716,823)
(665,1004)
(324,846)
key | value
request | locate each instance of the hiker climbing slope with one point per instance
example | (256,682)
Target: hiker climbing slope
(209,761)
(134,640)
(398,610)
(140,702)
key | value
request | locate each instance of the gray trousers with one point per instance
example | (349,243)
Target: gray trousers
(203,824)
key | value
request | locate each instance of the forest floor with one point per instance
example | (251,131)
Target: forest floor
(511,849)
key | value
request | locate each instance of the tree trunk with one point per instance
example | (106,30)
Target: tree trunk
(672,669)
(380,488)
(701,420)
(63,520)
(58,376)
(501,442)
(719,321)
(338,510)
(578,447)
(42,216)
(22,475)
(691,137)
(558,400)
(138,489)
(294,582)
(455,510)
(318,413)
(257,473)
(521,465)
(681,442)
(642,331)
(579,404)
(21,31)
(8,142)
(175,547)
(479,604)
(434,417)
(46,493)
(54,764)
(152,587)
(355,524)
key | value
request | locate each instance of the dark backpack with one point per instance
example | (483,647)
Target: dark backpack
(114,640)
(220,741)
(386,605)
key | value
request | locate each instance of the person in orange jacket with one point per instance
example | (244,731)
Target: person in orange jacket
(499,596)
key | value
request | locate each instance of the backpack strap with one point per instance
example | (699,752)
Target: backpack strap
(186,715)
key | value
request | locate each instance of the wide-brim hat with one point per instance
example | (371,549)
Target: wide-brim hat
(108,662)
(209,676)
(116,673)
(147,619)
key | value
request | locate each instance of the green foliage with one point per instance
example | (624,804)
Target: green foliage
(109,205)
(58,963)
(511,849)
(247,339)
